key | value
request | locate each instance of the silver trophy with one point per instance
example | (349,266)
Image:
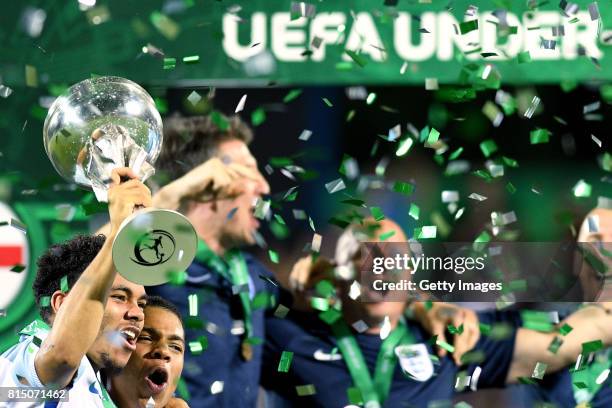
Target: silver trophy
(103,123)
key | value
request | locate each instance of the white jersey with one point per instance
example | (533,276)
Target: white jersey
(17,370)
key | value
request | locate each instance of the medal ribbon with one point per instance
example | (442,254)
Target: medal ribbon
(373,392)
(235,270)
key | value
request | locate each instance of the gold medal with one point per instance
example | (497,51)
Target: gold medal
(246,350)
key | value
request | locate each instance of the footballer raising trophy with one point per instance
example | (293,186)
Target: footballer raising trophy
(107,122)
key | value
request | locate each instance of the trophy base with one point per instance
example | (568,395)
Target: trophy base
(153,243)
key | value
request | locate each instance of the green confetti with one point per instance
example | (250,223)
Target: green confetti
(377,213)
(350,115)
(592,346)
(455,330)
(414,211)
(473,357)
(448,347)
(319,303)
(45,301)
(580,385)
(192,59)
(455,154)
(292,94)
(536,320)
(483,237)
(305,390)
(359,59)
(285,361)
(539,136)
(510,188)
(273,256)
(403,188)
(524,57)
(488,147)
(327,102)
(555,344)
(509,162)
(386,235)
(565,329)
(258,116)
(18,268)
(165,25)
(582,189)
(261,300)
(432,138)
(606,162)
(468,26)
(485,329)
(404,146)
(527,381)
(64,284)
(220,120)
(198,346)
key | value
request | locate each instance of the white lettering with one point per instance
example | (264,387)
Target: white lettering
(402,37)
(288,39)
(231,42)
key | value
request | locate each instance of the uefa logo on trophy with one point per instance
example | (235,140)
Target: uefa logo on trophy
(107,122)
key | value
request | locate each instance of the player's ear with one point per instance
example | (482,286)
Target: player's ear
(57,298)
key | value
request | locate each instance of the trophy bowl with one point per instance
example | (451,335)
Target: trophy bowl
(92,104)
(107,122)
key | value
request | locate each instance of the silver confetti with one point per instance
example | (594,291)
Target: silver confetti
(360,326)
(194,98)
(450,196)
(335,186)
(477,197)
(305,135)
(596,140)
(5,91)
(535,102)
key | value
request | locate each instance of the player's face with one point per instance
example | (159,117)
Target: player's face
(156,365)
(121,325)
(241,226)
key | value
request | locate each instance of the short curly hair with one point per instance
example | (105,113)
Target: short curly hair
(190,141)
(68,259)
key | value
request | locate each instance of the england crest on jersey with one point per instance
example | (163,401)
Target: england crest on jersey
(415,361)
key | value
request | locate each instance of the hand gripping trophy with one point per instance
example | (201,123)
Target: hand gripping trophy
(107,122)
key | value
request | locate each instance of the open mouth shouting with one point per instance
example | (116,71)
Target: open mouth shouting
(129,335)
(157,380)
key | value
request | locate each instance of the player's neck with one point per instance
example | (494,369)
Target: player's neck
(124,399)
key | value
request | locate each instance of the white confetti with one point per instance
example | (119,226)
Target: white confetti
(596,140)
(240,106)
(216,387)
(431,84)
(385,328)
(535,102)
(450,196)
(355,290)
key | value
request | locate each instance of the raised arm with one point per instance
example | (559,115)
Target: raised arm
(590,323)
(77,322)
